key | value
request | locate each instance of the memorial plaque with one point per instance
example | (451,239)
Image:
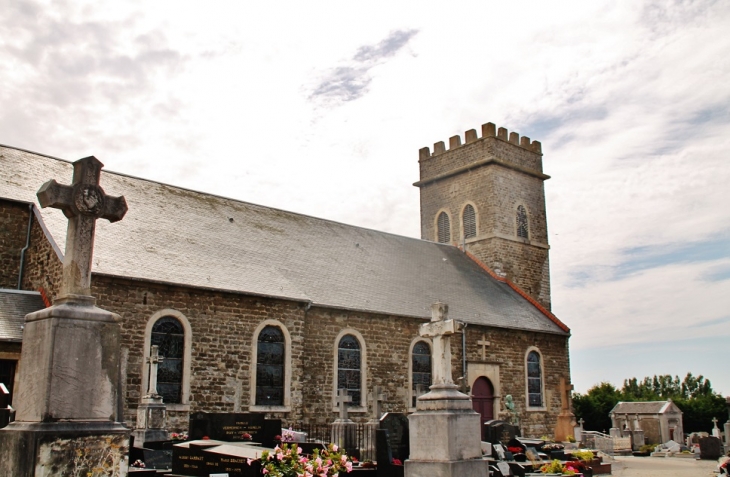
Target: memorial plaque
(231,427)
(188,458)
(397,426)
(157,459)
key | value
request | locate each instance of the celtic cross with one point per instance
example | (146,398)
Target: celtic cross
(82,202)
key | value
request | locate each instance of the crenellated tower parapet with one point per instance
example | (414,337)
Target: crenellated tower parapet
(487,194)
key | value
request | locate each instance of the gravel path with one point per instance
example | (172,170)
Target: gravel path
(625,466)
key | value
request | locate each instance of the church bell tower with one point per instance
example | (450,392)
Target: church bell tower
(488,195)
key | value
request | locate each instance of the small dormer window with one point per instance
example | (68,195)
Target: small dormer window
(522,230)
(444,228)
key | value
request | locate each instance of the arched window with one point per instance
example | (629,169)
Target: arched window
(349,368)
(469,218)
(420,368)
(522,230)
(444,228)
(270,359)
(534,379)
(169,335)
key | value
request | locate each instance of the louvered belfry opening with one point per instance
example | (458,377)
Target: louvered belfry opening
(444,228)
(522,231)
(470,222)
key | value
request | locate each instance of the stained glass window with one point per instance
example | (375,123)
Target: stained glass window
(534,379)
(349,369)
(470,222)
(168,334)
(444,228)
(421,368)
(270,367)
(522,230)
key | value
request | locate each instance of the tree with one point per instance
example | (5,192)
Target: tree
(594,406)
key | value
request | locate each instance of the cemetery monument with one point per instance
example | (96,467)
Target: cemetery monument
(66,422)
(444,431)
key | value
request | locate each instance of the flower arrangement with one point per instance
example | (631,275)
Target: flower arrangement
(287,435)
(515,450)
(556,467)
(584,455)
(138,464)
(287,461)
(179,436)
(397,462)
(552,446)
(246,436)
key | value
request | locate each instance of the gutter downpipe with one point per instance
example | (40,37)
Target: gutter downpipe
(463,354)
(27,244)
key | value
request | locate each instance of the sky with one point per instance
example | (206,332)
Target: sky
(321,107)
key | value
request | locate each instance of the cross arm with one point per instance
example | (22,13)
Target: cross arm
(53,194)
(114,208)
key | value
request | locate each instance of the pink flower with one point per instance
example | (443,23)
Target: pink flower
(334,447)
(248,461)
(348,466)
(299,450)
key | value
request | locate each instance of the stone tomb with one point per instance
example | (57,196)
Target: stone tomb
(398,437)
(500,432)
(205,457)
(231,427)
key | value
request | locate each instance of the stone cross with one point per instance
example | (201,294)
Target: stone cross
(343,399)
(484,343)
(154,360)
(440,330)
(82,202)
(377,397)
(714,421)
(581,421)
(565,389)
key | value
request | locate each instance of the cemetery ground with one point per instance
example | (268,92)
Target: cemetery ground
(629,466)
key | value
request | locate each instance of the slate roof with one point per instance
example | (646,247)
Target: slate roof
(646,407)
(14,305)
(178,236)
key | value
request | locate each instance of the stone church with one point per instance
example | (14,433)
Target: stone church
(263,310)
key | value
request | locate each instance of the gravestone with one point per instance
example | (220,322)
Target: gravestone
(710,448)
(396,424)
(566,418)
(75,413)
(206,457)
(151,412)
(231,427)
(367,447)
(500,432)
(445,430)
(384,456)
(344,431)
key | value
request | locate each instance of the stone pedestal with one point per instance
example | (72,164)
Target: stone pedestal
(637,439)
(344,434)
(445,436)
(727,436)
(564,427)
(151,418)
(66,422)
(367,451)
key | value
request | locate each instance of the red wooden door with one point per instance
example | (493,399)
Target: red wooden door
(483,400)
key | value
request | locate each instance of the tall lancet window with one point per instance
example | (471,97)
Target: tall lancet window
(349,370)
(444,228)
(534,379)
(420,368)
(270,351)
(469,218)
(168,334)
(522,230)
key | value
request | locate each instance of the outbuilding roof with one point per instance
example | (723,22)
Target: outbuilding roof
(645,407)
(14,305)
(179,236)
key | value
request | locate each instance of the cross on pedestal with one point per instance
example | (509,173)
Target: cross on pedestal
(440,330)
(343,399)
(377,397)
(82,202)
(484,343)
(154,360)
(565,390)
(581,421)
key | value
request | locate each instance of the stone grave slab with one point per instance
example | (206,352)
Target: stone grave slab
(188,457)
(233,460)
(231,427)
(710,448)
(157,458)
(397,426)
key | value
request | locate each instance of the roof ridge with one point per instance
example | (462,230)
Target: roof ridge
(519,290)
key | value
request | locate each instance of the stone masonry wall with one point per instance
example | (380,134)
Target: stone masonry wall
(223,325)
(44,268)
(13,231)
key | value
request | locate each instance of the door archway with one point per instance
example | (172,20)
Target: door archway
(482,394)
